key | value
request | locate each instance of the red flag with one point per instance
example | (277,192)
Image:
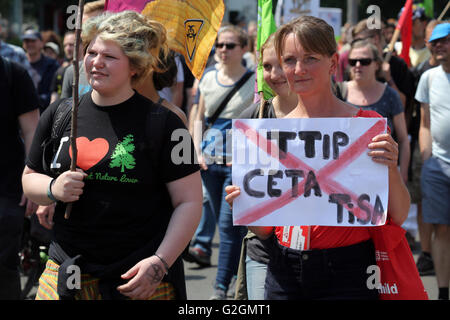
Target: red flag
(405,27)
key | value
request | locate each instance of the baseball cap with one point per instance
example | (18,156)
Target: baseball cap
(440,31)
(52,46)
(31,34)
(417,13)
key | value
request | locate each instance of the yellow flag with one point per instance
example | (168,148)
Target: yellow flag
(191,26)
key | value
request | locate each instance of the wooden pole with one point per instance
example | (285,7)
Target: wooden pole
(391,45)
(262,103)
(444,11)
(75,101)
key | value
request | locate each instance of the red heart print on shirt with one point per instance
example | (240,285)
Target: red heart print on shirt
(90,152)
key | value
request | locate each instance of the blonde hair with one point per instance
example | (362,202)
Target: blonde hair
(141,39)
(269,43)
(94,6)
(314,34)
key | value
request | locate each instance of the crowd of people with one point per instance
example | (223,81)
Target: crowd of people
(135,92)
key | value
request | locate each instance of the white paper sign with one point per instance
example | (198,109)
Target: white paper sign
(308,172)
(288,10)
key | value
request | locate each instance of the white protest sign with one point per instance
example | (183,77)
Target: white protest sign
(288,10)
(308,172)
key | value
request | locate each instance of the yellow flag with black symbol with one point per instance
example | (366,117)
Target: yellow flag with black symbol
(191,26)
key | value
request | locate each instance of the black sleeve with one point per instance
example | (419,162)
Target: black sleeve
(402,77)
(34,159)
(24,92)
(178,153)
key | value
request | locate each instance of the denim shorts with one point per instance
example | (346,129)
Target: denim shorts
(327,274)
(435,183)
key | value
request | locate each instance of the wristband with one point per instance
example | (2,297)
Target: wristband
(166,266)
(49,191)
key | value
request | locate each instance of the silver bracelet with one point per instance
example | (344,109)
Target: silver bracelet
(49,191)
(166,266)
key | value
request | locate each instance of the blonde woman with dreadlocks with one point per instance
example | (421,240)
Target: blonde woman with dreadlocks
(134,208)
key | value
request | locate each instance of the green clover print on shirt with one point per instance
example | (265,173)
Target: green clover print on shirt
(122,156)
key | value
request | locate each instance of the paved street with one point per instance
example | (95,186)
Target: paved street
(199,281)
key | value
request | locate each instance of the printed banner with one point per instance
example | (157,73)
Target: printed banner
(295,172)
(191,25)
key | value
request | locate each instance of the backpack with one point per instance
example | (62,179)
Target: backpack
(156,121)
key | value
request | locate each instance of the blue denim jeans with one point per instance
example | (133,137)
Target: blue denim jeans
(255,273)
(435,184)
(206,228)
(215,179)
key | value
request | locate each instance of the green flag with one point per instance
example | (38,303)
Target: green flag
(429,10)
(266,26)
(428,7)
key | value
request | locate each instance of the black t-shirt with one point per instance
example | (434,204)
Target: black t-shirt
(57,81)
(125,202)
(17,96)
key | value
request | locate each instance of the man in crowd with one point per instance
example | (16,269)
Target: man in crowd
(424,262)
(19,116)
(418,51)
(16,54)
(69,46)
(434,142)
(45,66)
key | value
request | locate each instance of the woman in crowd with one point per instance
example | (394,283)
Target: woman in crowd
(334,266)
(134,210)
(255,257)
(364,91)
(214,87)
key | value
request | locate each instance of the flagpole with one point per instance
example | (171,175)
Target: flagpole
(400,24)
(444,11)
(76,78)
(394,38)
(262,103)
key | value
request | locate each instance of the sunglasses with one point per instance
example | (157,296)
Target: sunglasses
(441,40)
(363,62)
(229,46)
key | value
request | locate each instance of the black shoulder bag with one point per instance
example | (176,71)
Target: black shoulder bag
(61,119)
(225,101)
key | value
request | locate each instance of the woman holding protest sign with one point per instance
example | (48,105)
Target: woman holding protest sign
(134,209)
(333,265)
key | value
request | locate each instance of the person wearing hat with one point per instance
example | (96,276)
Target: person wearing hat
(418,51)
(45,66)
(424,263)
(51,50)
(17,54)
(434,143)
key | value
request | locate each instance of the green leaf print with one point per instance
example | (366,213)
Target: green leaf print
(122,156)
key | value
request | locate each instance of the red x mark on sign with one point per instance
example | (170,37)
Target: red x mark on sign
(324,175)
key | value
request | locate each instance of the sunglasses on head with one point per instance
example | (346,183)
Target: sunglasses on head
(363,62)
(229,46)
